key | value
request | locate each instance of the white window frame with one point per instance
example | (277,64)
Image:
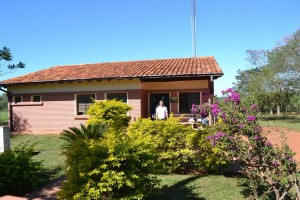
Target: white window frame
(75,102)
(36,101)
(127,100)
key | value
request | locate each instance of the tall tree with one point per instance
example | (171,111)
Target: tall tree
(275,75)
(5,57)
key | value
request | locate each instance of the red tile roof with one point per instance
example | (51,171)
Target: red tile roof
(145,69)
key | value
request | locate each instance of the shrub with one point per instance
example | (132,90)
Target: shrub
(115,166)
(180,149)
(19,173)
(112,112)
(91,131)
(240,136)
(205,156)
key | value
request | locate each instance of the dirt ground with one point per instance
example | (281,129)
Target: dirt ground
(273,133)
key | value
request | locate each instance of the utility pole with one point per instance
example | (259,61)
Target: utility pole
(194,30)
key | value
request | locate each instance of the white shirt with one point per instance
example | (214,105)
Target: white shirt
(161,112)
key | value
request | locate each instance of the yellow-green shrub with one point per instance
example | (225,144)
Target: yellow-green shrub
(180,149)
(170,143)
(112,112)
(205,156)
(116,166)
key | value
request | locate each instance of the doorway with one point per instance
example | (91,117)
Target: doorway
(154,100)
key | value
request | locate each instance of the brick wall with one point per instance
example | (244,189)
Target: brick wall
(134,100)
(57,111)
(55,114)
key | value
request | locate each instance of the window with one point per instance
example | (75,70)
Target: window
(36,98)
(117,96)
(83,103)
(186,100)
(18,99)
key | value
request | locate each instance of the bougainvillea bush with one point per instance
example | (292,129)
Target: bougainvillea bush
(237,132)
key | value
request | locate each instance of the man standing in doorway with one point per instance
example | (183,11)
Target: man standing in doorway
(161,111)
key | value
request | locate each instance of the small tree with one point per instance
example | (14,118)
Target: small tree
(240,136)
(5,55)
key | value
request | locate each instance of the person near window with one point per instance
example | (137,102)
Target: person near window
(205,120)
(161,111)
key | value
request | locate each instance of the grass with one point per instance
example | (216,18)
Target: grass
(3,117)
(291,122)
(48,148)
(194,187)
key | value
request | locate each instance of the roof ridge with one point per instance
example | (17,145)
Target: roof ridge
(145,60)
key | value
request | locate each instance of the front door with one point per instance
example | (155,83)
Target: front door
(154,100)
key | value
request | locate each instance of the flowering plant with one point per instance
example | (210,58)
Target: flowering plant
(238,133)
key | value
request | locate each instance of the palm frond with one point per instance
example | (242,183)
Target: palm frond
(91,131)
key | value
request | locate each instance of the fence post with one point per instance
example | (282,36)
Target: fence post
(4,139)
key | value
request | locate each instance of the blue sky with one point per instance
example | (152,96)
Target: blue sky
(58,32)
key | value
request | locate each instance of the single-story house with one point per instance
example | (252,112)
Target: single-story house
(57,98)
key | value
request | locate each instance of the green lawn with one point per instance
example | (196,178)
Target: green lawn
(48,148)
(199,187)
(288,121)
(3,117)
(172,186)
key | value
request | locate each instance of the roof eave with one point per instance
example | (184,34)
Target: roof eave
(215,76)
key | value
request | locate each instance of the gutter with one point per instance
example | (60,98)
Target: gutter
(9,100)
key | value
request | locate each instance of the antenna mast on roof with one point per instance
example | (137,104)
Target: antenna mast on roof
(193,23)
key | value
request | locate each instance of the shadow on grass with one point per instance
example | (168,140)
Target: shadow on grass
(246,192)
(178,191)
(47,186)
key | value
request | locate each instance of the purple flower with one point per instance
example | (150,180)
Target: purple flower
(250,118)
(257,129)
(242,125)
(223,116)
(215,109)
(275,163)
(244,109)
(253,106)
(215,137)
(229,90)
(234,120)
(194,109)
(204,94)
(235,97)
(221,134)
(268,144)
(256,137)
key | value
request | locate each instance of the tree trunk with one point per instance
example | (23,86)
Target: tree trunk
(296,185)
(278,110)
(276,193)
(271,111)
